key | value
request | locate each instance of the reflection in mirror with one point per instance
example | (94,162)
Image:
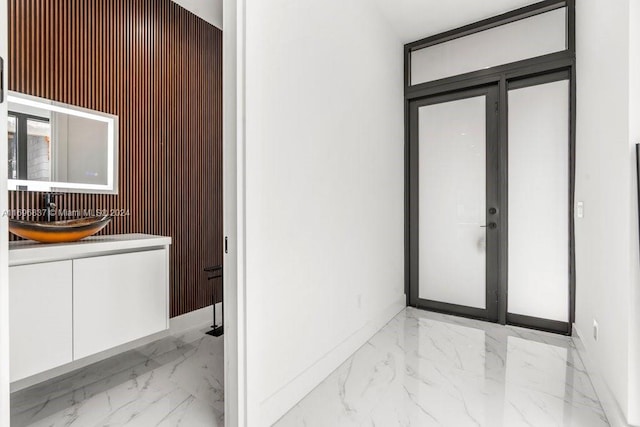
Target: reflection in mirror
(61,147)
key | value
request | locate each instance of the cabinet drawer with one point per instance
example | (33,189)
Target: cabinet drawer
(40,321)
(117,299)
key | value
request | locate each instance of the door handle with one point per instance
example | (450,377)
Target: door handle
(491,226)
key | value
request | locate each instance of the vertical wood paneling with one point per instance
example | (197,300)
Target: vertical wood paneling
(159,69)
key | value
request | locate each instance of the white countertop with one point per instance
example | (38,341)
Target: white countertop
(30,252)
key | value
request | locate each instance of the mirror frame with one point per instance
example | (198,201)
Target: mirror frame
(111,187)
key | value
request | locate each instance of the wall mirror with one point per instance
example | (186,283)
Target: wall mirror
(59,147)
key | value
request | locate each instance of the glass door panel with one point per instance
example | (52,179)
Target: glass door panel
(454,203)
(452,194)
(489,217)
(539,201)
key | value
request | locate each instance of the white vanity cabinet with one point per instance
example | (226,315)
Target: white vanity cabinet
(73,300)
(40,317)
(117,299)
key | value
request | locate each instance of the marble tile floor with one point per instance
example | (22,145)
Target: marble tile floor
(428,369)
(175,381)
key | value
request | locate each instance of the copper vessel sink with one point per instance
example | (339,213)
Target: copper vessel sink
(58,231)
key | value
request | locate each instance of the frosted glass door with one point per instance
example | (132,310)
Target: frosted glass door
(539,201)
(489,216)
(452,203)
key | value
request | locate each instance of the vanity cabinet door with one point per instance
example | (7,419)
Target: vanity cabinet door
(40,321)
(118,299)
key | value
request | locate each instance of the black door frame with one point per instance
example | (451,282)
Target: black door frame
(529,321)
(491,93)
(503,76)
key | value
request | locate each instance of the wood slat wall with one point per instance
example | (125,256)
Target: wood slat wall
(158,68)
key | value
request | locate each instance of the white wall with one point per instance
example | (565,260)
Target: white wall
(234,338)
(323,191)
(607,236)
(634,138)
(4,233)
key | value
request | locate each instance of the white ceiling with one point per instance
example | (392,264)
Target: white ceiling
(209,10)
(415,19)
(411,19)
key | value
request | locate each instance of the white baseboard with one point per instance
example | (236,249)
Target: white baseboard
(609,403)
(278,404)
(179,324)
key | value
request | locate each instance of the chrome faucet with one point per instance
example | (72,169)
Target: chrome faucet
(48,201)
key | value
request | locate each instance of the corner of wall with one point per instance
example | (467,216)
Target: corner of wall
(610,405)
(634,138)
(277,405)
(606,254)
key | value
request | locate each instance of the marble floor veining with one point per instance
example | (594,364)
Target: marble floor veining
(421,369)
(175,381)
(427,369)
